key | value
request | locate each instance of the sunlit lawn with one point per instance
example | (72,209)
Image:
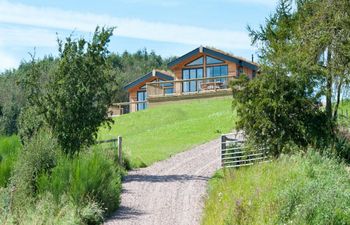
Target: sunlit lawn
(158,133)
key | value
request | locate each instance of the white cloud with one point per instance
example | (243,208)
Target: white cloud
(54,18)
(24,36)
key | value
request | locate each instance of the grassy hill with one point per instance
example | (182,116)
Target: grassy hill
(156,134)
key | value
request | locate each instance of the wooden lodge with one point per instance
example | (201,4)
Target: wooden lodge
(201,73)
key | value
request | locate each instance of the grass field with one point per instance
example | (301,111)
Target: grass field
(292,190)
(9,150)
(156,134)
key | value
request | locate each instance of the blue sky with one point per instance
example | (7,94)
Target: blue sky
(171,27)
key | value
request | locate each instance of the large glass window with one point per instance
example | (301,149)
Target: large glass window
(211,60)
(196,62)
(193,85)
(217,71)
(141,96)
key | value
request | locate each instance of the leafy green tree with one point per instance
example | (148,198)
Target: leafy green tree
(11,102)
(311,42)
(275,111)
(75,102)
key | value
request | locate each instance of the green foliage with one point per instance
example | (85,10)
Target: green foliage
(44,211)
(16,86)
(131,66)
(10,148)
(341,146)
(309,189)
(91,175)
(76,99)
(275,112)
(29,123)
(11,101)
(48,187)
(178,126)
(92,213)
(305,39)
(38,156)
(322,197)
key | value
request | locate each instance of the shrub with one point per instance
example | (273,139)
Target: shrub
(275,110)
(10,147)
(29,123)
(89,176)
(38,156)
(342,145)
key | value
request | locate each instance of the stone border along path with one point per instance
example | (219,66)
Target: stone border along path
(170,191)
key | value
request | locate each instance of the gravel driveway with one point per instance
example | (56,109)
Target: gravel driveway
(171,191)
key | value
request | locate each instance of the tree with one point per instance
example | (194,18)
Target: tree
(311,43)
(75,102)
(275,111)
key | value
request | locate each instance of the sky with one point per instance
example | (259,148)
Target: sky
(168,27)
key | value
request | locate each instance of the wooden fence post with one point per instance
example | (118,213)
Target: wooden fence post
(120,158)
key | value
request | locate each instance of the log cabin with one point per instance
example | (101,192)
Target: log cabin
(201,73)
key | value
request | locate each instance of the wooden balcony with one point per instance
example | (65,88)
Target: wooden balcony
(175,90)
(198,86)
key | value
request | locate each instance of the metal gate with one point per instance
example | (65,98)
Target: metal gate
(234,153)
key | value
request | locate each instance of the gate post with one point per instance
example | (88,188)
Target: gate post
(120,158)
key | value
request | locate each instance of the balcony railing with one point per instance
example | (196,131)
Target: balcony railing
(188,86)
(121,108)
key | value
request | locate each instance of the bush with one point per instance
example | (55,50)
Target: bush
(275,110)
(29,123)
(38,156)
(49,187)
(10,147)
(342,145)
(89,176)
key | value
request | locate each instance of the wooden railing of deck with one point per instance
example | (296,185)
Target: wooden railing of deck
(156,89)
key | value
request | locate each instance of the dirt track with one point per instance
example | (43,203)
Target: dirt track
(169,192)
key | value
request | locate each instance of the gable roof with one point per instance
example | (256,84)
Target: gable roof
(217,53)
(154,73)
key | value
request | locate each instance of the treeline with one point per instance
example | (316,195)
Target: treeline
(126,67)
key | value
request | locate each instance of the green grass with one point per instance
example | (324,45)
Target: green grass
(292,190)
(156,134)
(343,109)
(9,149)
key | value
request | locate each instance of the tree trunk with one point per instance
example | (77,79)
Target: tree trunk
(335,115)
(329,87)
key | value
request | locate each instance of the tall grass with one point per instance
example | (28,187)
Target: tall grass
(92,175)
(307,189)
(48,187)
(10,147)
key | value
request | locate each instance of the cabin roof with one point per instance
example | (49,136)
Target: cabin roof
(165,75)
(219,54)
